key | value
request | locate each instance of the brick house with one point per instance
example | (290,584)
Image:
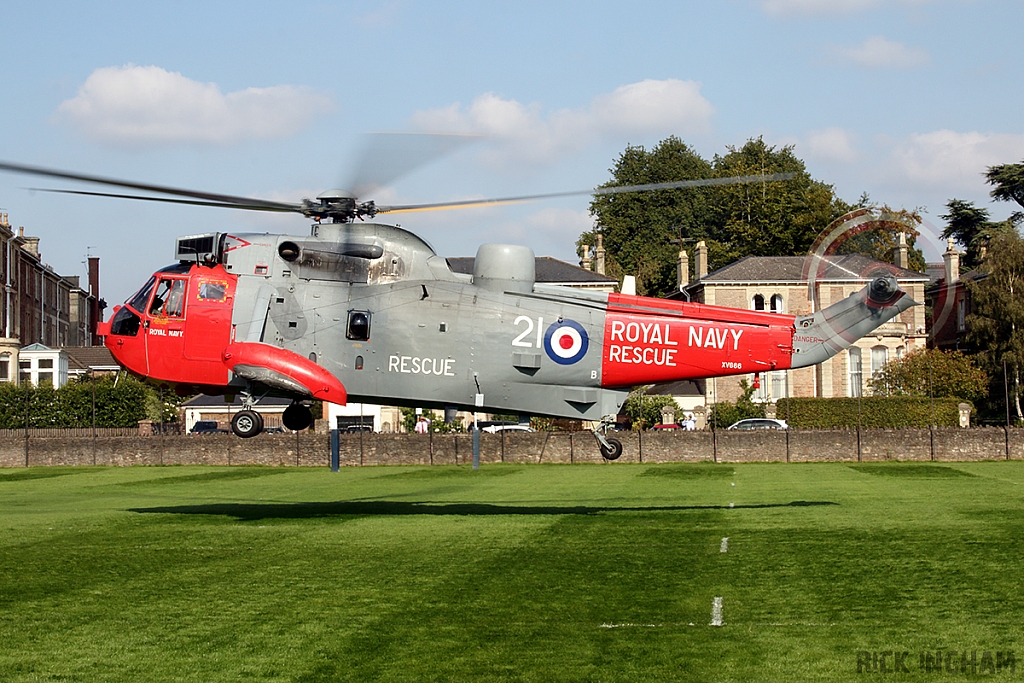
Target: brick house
(778,283)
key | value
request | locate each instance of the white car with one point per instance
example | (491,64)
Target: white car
(760,423)
(494,429)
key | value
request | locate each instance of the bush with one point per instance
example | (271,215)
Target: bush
(120,403)
(645,411)
(869,411)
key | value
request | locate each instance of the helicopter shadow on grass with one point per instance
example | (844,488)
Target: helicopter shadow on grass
(250,512)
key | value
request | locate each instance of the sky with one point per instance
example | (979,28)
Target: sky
(907,100)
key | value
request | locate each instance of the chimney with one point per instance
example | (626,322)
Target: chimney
(599,252)
(700,255)
(682,270)
(903,252)
(32,245)
(952,260)
(585,262)
(94,299)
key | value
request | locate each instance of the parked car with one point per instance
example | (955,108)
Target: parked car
(494,429)
(759,423)
(207,427)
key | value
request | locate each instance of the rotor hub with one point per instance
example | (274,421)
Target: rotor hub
(338,205)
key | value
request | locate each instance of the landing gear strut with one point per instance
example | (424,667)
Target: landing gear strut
(611,449)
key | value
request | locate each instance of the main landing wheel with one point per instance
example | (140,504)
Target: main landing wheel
(614,451)
(247,423)
(297,417)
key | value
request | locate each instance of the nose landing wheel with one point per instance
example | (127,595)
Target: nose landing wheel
(247,423)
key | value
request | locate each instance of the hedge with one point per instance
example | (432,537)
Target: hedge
(869,411)
(120,404)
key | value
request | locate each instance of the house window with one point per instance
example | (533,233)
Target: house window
(5,370)
(961,314)
(45,363)
(879,356)
(45,378)
(856,376)
(758,303)
(777,304)
(780,384)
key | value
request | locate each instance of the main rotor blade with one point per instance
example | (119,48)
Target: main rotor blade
(191,202)
(622,189)
(221,199)
(387,156)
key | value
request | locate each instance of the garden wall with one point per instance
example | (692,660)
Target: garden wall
(831,445)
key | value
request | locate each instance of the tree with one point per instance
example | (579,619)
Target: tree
(638,227)
(996,322)
(970,227)
(1007,181)
(643,232)
(882,240)
(645,411)
(770,219)
(930,372)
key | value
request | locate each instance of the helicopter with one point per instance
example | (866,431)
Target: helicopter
(366,311)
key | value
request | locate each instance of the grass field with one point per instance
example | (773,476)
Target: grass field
(508,573)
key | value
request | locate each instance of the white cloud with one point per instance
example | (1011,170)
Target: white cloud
(878,52)
(527,133)
(952,161)
(829,144)
(146,105)
(821,7)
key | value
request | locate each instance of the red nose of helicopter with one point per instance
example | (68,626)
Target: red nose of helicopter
(177,330)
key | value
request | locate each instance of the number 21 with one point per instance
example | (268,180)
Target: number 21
(521,339)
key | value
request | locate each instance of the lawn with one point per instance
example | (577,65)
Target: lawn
(511,573)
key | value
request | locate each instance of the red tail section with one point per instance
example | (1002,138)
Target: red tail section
(655,340)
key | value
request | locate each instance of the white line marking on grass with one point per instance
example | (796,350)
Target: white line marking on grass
(716,612)
(630,625)
(725,545)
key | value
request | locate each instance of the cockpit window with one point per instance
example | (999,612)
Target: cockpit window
(138,302)
(213,291)
(125,323)
(169,301)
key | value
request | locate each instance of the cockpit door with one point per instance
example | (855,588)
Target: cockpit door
(164,323)
(211,295)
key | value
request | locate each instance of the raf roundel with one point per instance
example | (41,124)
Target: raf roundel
(566,342)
